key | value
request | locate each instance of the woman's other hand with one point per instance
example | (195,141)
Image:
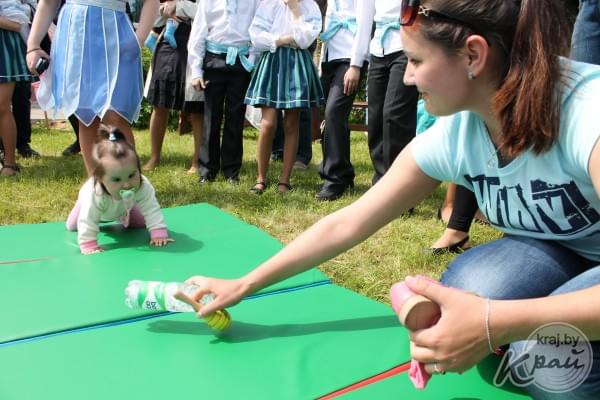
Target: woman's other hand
(458,340)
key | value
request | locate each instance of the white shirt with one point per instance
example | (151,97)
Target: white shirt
(384,12)
(222,21)
(274,19)
(345,44)
(97,206)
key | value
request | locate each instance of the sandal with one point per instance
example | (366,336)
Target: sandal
(287,186)
(259,188)
(14,167)
(456,248)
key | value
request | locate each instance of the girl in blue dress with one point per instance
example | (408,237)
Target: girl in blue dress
(95,68)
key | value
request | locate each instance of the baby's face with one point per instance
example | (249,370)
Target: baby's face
(120,174)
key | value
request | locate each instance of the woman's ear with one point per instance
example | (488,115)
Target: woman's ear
(478,53)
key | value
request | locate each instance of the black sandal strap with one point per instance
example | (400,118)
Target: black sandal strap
(259,190)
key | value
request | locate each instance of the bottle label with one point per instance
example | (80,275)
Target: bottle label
(151,295)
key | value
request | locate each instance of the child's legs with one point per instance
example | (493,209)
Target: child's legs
(210,150)
(336,170)
(114,119)
(304,153)
(268,124)
(399,111)
(87,138)
(232,148)
(158,127)
(514,267)
(291,120)
(8,129)
(73,217)
(197,123)
(448,204)
(87,135)
(590,388)
(377,78)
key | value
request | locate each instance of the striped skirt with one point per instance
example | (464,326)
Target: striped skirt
(285,79)
(13,67)
(95,65)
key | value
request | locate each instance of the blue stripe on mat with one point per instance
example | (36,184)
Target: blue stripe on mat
(145,317)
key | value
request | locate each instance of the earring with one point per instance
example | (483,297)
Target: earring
(470,75)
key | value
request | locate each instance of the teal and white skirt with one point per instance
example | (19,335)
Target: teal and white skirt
(285,79)
(13,67)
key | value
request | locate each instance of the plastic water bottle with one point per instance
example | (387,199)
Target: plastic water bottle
(160,296)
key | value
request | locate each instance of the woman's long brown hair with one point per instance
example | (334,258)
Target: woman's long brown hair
(529,35)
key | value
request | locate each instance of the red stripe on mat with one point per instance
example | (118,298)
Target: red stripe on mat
(368,381)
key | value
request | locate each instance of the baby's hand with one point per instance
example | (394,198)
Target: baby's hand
(95,250)
(90,247)
(159,242)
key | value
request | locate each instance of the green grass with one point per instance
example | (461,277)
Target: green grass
(48,186)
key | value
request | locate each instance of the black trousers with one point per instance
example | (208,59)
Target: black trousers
(224,97)
(463,212)
(336,170)
(21,108)
(392,110)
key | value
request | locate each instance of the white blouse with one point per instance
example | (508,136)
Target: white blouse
(386,14)
(221,21)
(346,43)
(274,19)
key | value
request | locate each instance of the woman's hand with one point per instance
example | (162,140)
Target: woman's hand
(459,339)
(226,292)
(32,58)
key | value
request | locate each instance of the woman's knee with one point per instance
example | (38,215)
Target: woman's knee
(512,268)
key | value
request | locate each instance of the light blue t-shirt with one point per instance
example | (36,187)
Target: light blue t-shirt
(549,196)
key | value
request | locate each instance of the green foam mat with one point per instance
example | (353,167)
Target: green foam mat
(192,227)
(297,345)
(73,291)
(474,384)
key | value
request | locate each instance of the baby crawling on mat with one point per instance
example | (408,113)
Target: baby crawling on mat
(116,191)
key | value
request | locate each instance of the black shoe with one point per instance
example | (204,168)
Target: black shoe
(331,193)
(456,248)
(72,149)
(204,180)
(27,152)
(233,180)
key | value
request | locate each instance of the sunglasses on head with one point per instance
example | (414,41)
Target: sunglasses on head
(410,9)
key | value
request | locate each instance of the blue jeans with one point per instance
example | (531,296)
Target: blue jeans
(585,43)
(516,267)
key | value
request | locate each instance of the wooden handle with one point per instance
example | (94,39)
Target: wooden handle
(179,295)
